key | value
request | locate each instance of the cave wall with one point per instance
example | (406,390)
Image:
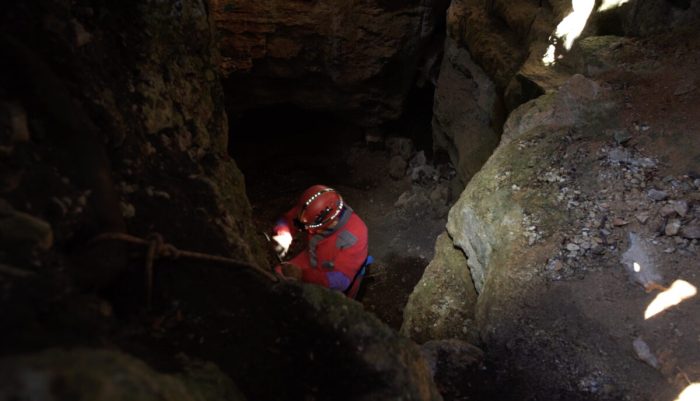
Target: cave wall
(504,43)
(529,220)
(112,120)
(355,59)
(136,84)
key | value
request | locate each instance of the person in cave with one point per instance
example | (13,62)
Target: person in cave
(336,255)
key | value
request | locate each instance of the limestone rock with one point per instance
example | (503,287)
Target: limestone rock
(399,146)
(442,303)
(509,39)
(451,357)
(465,111)
(18,229)
(147,76)
(103,375)
(357,59)
(526,221)
(672,227)
(657,195)
(397,167)
(561,109)
(13,122)
(378,352)
(639,262)
(691,231)
(455,366)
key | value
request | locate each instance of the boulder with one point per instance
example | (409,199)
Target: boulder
(399,146)
(397,167)
(456,366)
(544,225)
(23,230)
(384,364)
(106,375)
(442,304)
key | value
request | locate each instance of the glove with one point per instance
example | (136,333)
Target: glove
(282,243)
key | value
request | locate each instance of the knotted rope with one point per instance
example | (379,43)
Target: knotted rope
(158,248)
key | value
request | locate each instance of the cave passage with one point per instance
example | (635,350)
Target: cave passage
(282,150)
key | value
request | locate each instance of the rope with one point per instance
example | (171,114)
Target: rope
(158,248)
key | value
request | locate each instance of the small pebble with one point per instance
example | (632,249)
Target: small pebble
(691,232)
(681,207)
(667,210)
(619,222)
(655,194)
(572,247)
(673,227)
(642,217)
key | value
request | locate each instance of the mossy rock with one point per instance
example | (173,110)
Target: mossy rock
(104,375)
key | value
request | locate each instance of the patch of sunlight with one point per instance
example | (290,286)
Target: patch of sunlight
(548,58)
(610,4)
(570,28)
(678,292)
(691,393)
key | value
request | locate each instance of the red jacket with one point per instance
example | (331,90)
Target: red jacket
(333,256)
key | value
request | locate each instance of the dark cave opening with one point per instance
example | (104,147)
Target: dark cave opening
(284,148)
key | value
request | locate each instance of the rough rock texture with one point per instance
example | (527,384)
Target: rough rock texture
(388,365)
(504,42)
(356,59)
(103,375)
(574,217)
(456,367)
(509,39)
(441,305)
(129,114)
(290,341)
(112,120)
(465,112)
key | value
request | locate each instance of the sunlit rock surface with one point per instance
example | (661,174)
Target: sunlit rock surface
(356,59)
(509,39)
(547,226)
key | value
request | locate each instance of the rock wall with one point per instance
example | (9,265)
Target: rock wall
(504,44)
(466,112)
(112,121)
(124,110)
(559,223)
(441,306)
(356,59)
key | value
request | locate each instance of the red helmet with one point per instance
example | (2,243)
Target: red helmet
(319,207)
